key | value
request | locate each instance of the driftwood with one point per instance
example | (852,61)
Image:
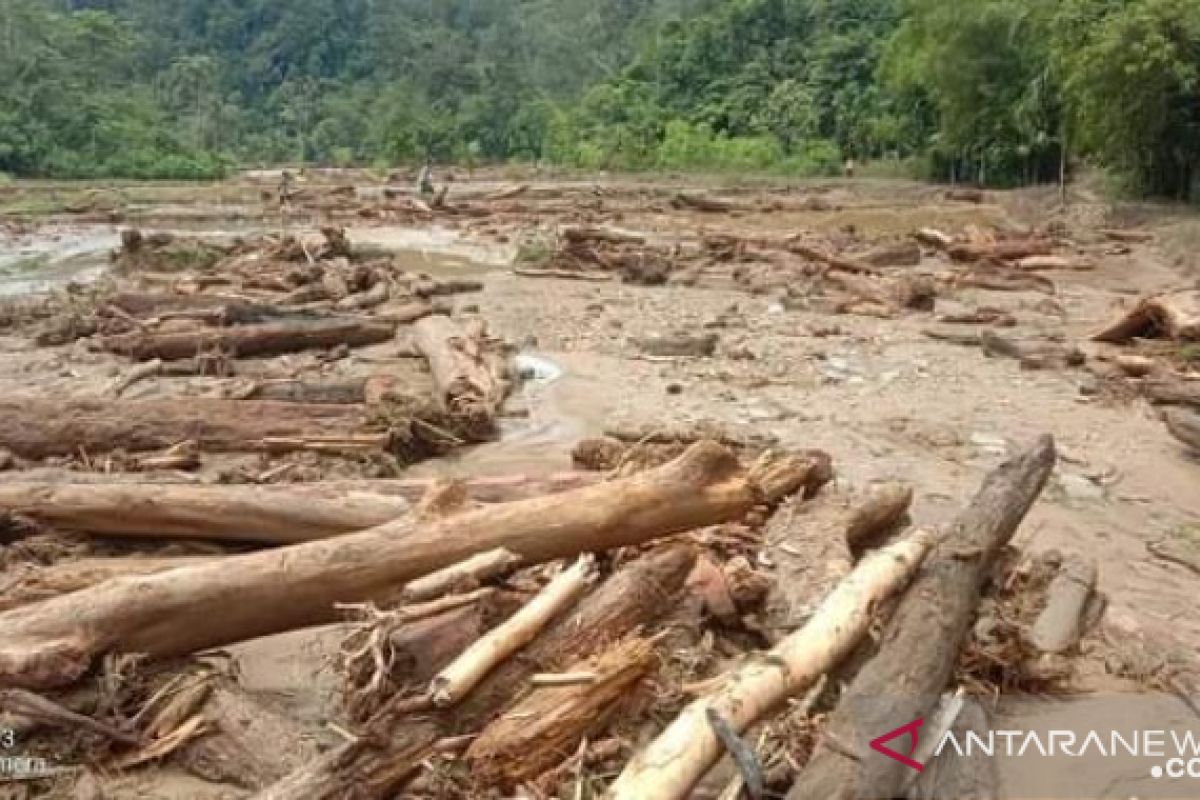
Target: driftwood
(453,683)
(266,514)
(1184,426)
(533,736)
(919,648)
(1127,236)
(1001,251)
(1175,316)
(463,577)
(671,765)
(814,545)
(701,202)
(1059,626)
(41,426)
(26,583)
(469,374)
(588,233)
(832,261)
(375,767)
(997,277)
(297,391)
(932,237)
(897,254)
(243,597)
(980,316)
(250,340)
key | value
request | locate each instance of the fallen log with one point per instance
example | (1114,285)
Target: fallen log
(1174,316)
(1184,426)
(1059,626)
(1039,263)
(266,514)
(704,203)
(813,545)
(997,278)
(671,765)
(1001,251)
(919,648)
(39,427)
(1128,236)
(463,577)
(832,261)
(534,735)
(470,375)
(149,304)
(564,274)
(395,745)
(243,597)
(972,776)
(589,233)
(932,237)
(244,341)
(980,316)
(897,254)
(348,392)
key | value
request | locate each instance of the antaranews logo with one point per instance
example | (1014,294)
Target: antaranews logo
(911,730)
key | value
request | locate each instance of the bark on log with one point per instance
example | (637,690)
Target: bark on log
(1175,316)
(148,304)
(705,203)
(546,727)
(1001,251)
(932,237)
(1059,626)
(920,645)
(813,545)
(470,376)
(375,767)
(1184,426)
(967,777)
(244,341)
(1032,355)
(25,584)
(454,682)
(671,765)
(463,577)
(243,597)
(296,391)
(37,428)
(267,514)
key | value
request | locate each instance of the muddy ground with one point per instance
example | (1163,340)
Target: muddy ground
(887,401)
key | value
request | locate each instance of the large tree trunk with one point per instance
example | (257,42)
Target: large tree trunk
(42,426)
(1172,392)
(469,374)
(250,340)
(268,514)
(375,767)
(243,597)
(920,646)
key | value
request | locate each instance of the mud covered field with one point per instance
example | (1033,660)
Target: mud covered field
(472,495)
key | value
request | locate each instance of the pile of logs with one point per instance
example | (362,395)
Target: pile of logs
(537,644)
(233,313)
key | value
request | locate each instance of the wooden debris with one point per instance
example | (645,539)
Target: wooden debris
(470,375)
(932,237)
(702,202)
(919,648)
(671,765)
(1174,316)
(53,643)
(462,577)
(1059,626)
(250,340)
(265,514)
(453,683)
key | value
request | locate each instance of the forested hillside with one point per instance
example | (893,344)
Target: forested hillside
(982,90)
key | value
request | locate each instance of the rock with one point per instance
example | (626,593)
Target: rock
(1080,487)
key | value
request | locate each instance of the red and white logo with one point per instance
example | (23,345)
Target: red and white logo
(911,731)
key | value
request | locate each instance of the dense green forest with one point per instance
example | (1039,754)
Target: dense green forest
(988,91)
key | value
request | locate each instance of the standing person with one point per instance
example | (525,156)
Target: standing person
(285,200)
(849,169)
(425,180)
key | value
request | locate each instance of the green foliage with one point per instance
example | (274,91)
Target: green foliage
(989,91)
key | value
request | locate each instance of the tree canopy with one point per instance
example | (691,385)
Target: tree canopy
(991,91)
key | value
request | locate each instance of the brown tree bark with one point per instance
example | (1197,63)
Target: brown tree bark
(1001,251)
(545,728)
(1175,316)
(469,373)
(267,514)
(394,745)
(1167,391)
(243,597)
(39,427)
(24,584)
(920,645)
(250,340)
